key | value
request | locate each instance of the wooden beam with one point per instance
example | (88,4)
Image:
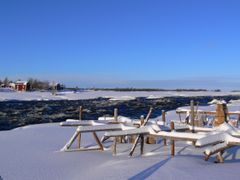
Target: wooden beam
(142,144)
(138,137)
(80,112)
(79,140)
(116,115)
(164,121)
(192,115)
(114,146)
(80,118)
(172,141)
(98,141)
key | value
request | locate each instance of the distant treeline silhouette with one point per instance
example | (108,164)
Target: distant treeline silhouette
(148,89)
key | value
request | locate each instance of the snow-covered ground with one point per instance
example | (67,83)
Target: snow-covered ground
(33,152)
(114,95)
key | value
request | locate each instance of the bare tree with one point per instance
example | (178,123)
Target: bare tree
(6,81)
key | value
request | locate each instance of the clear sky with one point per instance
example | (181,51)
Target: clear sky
(122,43)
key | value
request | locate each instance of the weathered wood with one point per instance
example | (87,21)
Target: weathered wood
(192,115)
(115,114)
(219,157)
(142,144)
(69,144)
(164,121)
(79,140)
(142,119)
(221,115)
(138,137)
(172,141)
(80,112)
(98,141)
(79,135)
(114,146)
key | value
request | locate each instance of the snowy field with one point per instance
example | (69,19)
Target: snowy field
(33,152)
(112,95)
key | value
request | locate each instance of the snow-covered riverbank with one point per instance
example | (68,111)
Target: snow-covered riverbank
(114,95)
(33,152)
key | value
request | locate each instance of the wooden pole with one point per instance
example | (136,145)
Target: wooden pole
(142,119)
(79,140)
(79,135)
(164,121)
(172,141)
(138,137)
(80,112)
(142,144)
(115,114)
(192,115)
(114,146)
(98,141)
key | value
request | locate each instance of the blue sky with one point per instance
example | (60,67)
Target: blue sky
(122,43)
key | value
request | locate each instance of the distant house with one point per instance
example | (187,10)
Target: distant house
(22,86)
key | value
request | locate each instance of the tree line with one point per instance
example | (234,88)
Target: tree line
(34,84)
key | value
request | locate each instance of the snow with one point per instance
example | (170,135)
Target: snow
(112,95)
(21,82)
(33,152)
(6,90)
(119,119)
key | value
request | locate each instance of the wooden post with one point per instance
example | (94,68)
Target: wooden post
(192,115)
(79,140)
(98,141)
(138,137)
(221,115)
(142,119)
(114,146)
(79,135)
(115,114)
(80,112)
(142,144)
(164,121)
(142,136)
(172,141)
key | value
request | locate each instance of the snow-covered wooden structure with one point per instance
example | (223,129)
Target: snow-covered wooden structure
(215,140)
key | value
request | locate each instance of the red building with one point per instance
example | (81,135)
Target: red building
(22,86)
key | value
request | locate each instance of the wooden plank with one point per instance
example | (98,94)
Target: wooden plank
(80,118)
(80,112)
(98,141)
(138,137)
(172,141)
(69,144)
(79,140)
(142,144)
(192,115)
(164,120)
